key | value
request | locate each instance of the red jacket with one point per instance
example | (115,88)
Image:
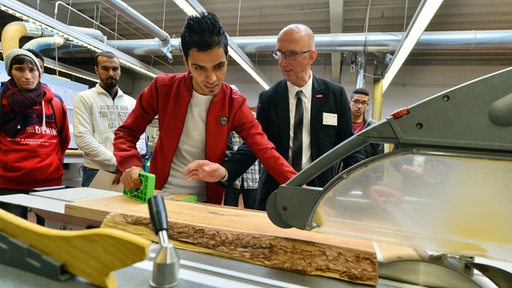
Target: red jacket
(34,157)
(168,96)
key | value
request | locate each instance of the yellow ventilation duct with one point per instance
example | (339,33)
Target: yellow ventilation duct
(11,36)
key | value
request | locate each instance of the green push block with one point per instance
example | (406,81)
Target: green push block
(147,189)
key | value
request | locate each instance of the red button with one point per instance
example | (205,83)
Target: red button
(399,113)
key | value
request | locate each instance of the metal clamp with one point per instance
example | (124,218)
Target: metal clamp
(19,255)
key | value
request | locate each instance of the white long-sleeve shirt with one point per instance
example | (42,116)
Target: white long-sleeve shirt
(95,118)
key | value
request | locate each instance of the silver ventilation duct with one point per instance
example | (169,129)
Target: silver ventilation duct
(134,16)
(376,42)
(145,47)
(463,41)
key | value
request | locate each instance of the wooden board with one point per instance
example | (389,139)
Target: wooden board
(246,235)
(98,209)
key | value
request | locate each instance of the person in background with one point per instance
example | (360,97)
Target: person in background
(324,107)
(247,184)
(40,60)
(359,102)
(39,57)
(34,131)
(369,183)
(196,112)
(97,113)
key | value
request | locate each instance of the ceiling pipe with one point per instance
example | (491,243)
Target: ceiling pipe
(486,40)
(93,33)
(145,47)
(27,13)
(71,50)
(44,43)
(45,39)
(376,42)
(12,33)
(133,15)
(136,17)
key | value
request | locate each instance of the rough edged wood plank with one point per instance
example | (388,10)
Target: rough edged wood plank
(249,235)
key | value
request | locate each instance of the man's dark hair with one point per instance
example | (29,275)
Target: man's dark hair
(106,54)
(203,32)
(36,53)
(360,91)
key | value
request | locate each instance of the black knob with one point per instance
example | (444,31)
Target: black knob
(157,213)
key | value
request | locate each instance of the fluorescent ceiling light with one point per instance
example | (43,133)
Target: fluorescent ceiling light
(192,7)
(421,19)
(247,65)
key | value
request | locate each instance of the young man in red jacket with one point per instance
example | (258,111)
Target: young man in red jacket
(196,112)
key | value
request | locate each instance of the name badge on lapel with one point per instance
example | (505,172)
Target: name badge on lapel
(330,119)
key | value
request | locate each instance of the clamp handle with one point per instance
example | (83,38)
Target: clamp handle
(158,214)
(166,262)
(147,189)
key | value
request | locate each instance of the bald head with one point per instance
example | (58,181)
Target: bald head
(299,31)
(296,43)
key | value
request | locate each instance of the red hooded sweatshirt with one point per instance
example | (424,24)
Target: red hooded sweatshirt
(33,158)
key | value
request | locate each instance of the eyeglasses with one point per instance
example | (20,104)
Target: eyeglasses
(362,103)
(289,55)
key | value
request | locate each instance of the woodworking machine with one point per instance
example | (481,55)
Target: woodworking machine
(446,187)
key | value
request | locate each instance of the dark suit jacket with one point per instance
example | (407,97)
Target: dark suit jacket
(273,113)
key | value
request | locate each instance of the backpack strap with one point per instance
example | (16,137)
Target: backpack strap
(59,113)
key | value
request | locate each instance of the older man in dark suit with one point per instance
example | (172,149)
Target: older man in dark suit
(303,115)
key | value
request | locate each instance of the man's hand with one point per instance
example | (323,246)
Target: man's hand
(117,178)
(204,170)
(130,178)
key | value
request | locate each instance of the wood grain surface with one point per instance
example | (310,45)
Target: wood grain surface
(246,235)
